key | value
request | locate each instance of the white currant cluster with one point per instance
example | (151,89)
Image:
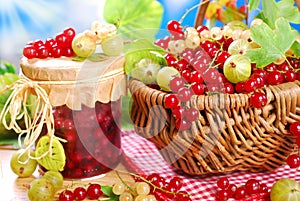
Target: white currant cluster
(190,40)
(192,37)
(139,191)
(103,30)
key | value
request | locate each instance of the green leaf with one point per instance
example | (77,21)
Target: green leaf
(6,67)
(289,11)
(139,49)
(272,10)
(135,19)
(77,58)
(107,190)
(272,46)
(253,4)
(296,48)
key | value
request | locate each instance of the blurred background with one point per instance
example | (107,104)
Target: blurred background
(22,21)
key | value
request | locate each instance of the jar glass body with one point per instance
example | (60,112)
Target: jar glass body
(93,138)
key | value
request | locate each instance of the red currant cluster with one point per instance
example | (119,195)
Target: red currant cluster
(251,190)
(165,190)
(199,55)
(56,47)
(92,134)
(294,159)
(92,192)
(184,115)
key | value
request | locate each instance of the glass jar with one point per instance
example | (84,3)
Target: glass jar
(93,139)
(86,104)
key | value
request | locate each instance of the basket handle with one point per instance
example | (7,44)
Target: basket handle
(201,12)
(298,4)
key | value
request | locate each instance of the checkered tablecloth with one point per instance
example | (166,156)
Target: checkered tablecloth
(142,157)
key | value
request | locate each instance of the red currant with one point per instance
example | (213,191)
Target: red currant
(263,188)
(181,64)
(252,186)
(274,78)
(250,85)
(231,189)
(187,75)
(38,43)
(295,128)
(174,26)
(290,76)
(182,124)
(212,75)
(182,196)
(293,161)
(228,88)
(68,52)
(221,57)
(258,99)
(201,28)
(49,43)
(239,87)
(196,77)
(184,94)
(191,114)
(42,52)
(284,67)
(163,43)
(240,193)
(171,101)
(157,180)
(69,33)
(62,40)
(222,195)
(80,193)
(94,191)
(29,51)
(176,183)
(66,195)
(271,67)
(261,73)
(170,59)
(178,112)
(56,51)
(197,88)
(176,83)
(223,182)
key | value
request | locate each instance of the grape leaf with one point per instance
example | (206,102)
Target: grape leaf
(272,45)
(139,49)
(107,190)
(135,19)
(272,10)
(296,48)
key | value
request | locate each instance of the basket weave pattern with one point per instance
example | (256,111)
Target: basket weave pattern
(229,135)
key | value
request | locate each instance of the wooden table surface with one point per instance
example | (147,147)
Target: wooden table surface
(13,188)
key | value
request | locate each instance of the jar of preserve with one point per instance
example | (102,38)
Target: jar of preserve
(86,102)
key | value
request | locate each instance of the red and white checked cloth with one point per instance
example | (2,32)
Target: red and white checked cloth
(142,157)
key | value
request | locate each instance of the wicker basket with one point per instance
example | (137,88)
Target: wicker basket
(230,135)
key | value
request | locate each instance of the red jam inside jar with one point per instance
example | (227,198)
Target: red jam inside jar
(93,138)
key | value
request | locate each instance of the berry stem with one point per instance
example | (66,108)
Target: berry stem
(190,9)
(127,186)
(156,187)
